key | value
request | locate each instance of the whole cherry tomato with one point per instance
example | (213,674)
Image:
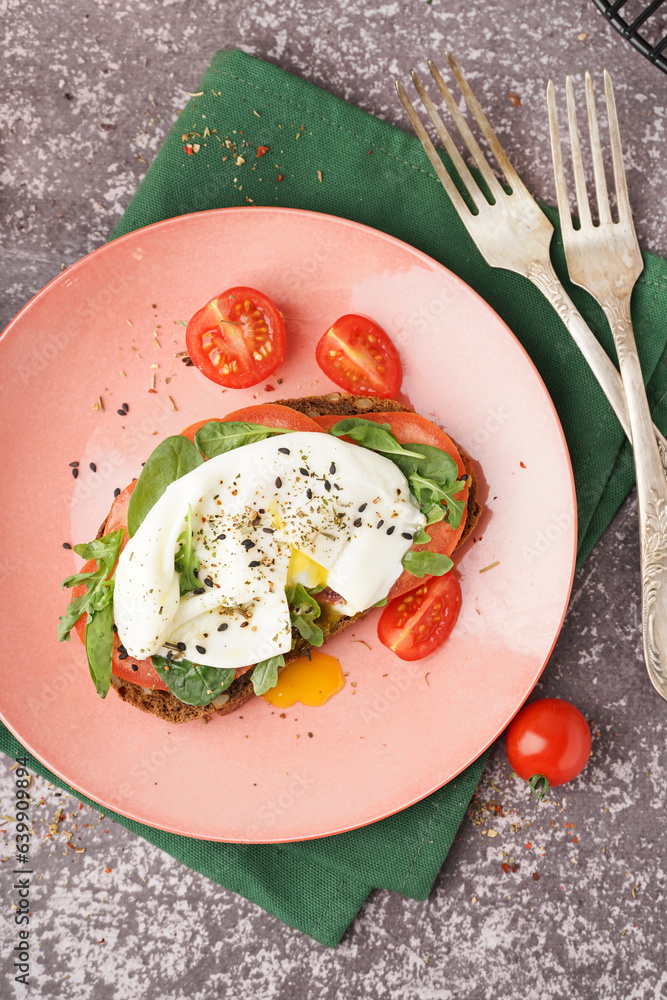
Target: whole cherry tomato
(548,743)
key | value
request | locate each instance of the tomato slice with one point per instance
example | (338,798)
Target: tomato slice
(416,623)
(237,339)
(358,355)
(411,428)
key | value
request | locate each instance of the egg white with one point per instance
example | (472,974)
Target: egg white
(284,510)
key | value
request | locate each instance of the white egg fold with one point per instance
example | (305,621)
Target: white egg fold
(295,508)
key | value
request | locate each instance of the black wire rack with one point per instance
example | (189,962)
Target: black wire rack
(640,26)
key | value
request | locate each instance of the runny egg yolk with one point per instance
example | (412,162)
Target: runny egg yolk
(303,569)
(310,680)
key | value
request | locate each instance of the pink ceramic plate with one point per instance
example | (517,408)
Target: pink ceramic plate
(398,730)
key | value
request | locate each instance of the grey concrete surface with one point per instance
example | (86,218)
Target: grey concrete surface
(89,91)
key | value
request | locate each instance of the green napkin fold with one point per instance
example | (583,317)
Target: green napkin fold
(326,156)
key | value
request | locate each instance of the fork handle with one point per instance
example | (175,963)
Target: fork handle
(651,496)
(545,278)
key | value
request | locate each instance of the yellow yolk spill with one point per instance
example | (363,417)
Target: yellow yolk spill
(311,681)
(306,570)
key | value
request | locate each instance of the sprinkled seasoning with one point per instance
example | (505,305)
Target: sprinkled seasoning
(363,508)
(244,624)
(200,649)
(380,523)
(123,655)
(391,529)
(199,590)
(126,407)
(116,492)
(121,413)
(66,545)
(181,646)
(255,562)
(279,482)
(332,469)
(208,581)
(284,451)
(309,494)
(464,477)
(92,467)
(406,534)
(248,544)
(304,472)
(73,465)
(75,472)
(223,627)
(268,531)
(220,538)
(357,523)
(134,666)
(327,485)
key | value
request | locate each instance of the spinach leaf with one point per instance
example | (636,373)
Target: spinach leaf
(99,593)
(265,674)
(304,609)
(193,683)
(186,561)
(217,436)
(435,465)
(375,437)
(422,537)
(426,563)
(99,647)
(174,457)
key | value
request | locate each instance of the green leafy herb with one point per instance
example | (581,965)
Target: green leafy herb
(375,437)
(426,563)
(193,683)
(186,561)
(174,457)
(304,609)
(265,674)
(99,648)
(99,592)
(380,604)
(422,537)
(217,436)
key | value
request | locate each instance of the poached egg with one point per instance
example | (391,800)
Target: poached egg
(295,508)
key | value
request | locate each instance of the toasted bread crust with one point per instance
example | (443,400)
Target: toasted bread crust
(166,705)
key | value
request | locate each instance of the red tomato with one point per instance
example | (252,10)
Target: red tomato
(411,428)
(416,623)
(357,355)
(548,739)
(237,339)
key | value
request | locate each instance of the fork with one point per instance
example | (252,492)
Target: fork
(515,234)
(605,260)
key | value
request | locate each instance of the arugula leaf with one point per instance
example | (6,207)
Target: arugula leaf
(99,648)
(99,593)
(454,507)
(434,514)
(193,683)
(304,609)
(186,561)
(375,437)
(265,674)
(217,436)
(426,563)
(422,537)
(174,457)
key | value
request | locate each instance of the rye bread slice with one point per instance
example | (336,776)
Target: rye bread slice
(166,705)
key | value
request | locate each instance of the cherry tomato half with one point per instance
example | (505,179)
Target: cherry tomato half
(416,623)
(548,739)
(357,355)
(237,339)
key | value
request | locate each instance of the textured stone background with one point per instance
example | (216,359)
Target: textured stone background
(89,91)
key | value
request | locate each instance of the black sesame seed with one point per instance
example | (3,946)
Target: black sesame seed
(134,666)
(73,465)
(390,530)
(181,646)
(208,581)
(126,407)
(200,649)
(268,531)
(116,492)
(195,572)
(199,590)
(223,627)
(332,469)
(247,543)
(327,485)
(406,534)
(92,467)
(66,545)
(254,563)
(380,523)
(284,451)
(75,472)
(336,486)
(220,538)
(279,482)
(304,472)
(121,648)
(114,627)
(363,508)
(357,523)
(121,413)
(244,624)
(122,656)
(170,656)
(309,494)
(464,477)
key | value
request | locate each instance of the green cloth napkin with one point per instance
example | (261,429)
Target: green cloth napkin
(327,156)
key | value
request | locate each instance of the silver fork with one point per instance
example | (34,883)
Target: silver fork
(606,261)
(514,233)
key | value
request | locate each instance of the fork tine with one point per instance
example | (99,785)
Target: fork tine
(439,167)
(504,163)
(596,151)
(583,208)
(624,210)
(446,139)
(557,156)
(467,136)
